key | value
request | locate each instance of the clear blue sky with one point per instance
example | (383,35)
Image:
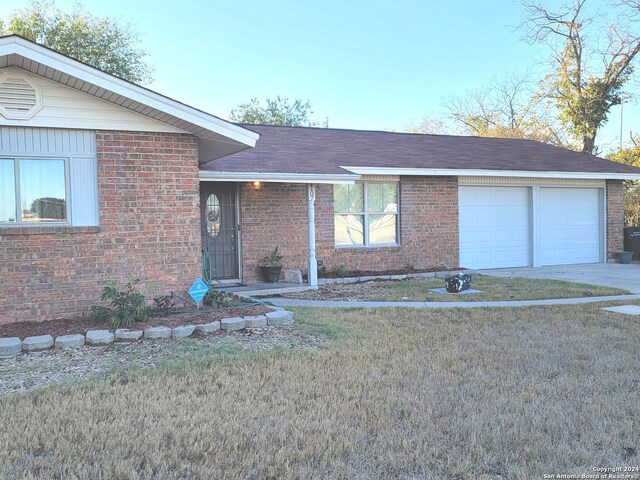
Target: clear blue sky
(365,65)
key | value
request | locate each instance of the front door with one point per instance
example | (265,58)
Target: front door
(220,227)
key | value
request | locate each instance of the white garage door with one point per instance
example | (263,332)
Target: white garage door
(569,225)
(494,226)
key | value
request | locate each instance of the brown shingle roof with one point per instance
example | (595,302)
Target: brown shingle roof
(324,150)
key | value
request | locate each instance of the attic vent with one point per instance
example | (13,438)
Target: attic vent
(19,97)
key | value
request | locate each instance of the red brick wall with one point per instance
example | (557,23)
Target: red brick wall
(149,229)
(615,218)
(276,214)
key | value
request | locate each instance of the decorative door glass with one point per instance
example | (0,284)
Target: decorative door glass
(212,215)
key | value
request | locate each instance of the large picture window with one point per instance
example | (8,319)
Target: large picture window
(366,214)
(33,191)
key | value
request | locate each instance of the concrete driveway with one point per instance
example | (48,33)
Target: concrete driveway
(609,274)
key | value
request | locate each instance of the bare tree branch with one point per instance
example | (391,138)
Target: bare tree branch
(583,92)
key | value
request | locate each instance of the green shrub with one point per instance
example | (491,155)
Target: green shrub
(218,299)
(127,306)
(340,271)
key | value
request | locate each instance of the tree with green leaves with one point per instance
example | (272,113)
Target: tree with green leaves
(593,58)
(101,42)
(276,112)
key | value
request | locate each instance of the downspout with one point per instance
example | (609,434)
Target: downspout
(312,271)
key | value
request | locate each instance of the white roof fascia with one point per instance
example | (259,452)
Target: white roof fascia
(458,172)
(16,45)
(212,176)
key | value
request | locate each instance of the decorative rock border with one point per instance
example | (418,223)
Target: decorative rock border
(69,341)
(154,333)
(257,321)
(183,331)
(231,324)
(10,347)
(280,317)
(208,327)
(126,335)
(36,344)
(99,338)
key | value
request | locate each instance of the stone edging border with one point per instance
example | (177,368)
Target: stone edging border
(12,346)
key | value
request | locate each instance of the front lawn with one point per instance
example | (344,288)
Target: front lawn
(394,393)
(492,289)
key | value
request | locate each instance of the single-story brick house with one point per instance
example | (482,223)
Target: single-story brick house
(104,180)
(385,200)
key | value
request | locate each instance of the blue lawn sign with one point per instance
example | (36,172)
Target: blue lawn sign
(198,290)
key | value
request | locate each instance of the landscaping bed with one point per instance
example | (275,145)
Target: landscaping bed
(491,289)
(338,272)
(81,325)
(24,373)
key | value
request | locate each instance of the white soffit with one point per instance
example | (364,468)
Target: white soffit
(24,54)
(212,176)
(453,172)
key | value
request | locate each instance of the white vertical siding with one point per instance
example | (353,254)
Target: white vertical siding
(78,146)
(84,188)
(466,180)
(38,142)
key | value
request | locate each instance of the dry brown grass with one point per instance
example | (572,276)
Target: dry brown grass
(400,393)
(491,289)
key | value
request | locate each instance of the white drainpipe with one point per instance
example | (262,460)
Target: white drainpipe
(311,210)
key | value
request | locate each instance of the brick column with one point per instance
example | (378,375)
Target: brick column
(615,218)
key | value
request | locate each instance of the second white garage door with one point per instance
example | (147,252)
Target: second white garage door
(569,226)
(517,226)
(494,226)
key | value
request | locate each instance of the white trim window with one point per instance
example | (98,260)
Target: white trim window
(366,214)
(48,178)
(33,191)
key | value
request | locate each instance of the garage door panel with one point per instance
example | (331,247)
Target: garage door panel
(494,226)
(569,225)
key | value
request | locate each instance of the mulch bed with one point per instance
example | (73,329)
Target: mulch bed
(373,273)
(68,326)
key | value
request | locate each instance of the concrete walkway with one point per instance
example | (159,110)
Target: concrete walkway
(287,302)
(608,274)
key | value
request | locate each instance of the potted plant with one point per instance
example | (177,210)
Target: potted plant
(271,266)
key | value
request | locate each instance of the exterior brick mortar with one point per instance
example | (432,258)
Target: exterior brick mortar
(149,229)
(276,214)
(615,218)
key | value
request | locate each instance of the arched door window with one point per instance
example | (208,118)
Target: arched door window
(212,215)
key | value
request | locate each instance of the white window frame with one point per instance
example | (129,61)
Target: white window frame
(365,214)
(18,197)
